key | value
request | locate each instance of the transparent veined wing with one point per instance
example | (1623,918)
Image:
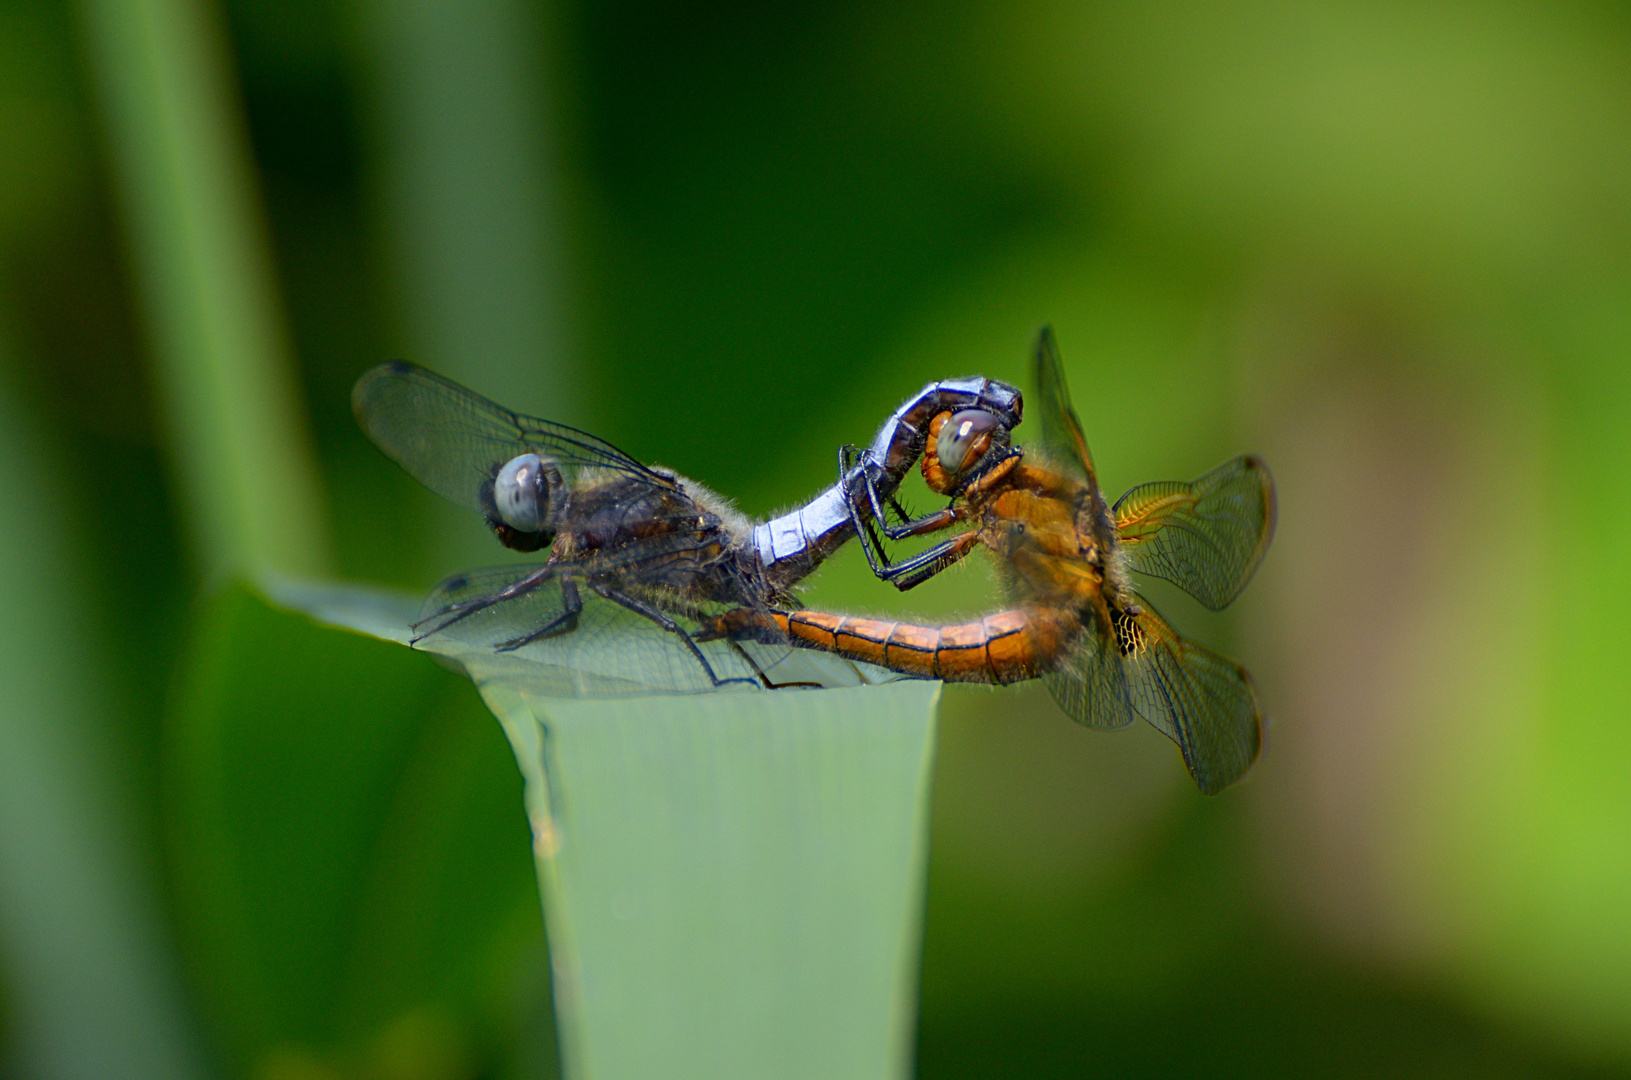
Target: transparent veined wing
(1206,537)
(1204,702)
(593,645)
(1088,682)
(1062,436)
(1064,442)
(453,440)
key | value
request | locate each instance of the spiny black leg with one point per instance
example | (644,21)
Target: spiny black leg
(759,671)
(564,623)
(467,608)
(942,555)
(918,569)
(865,528)
(911,581)
(846,458)
(879,562)
(911,573)
(639,607)
(852,468)
(849,475)
(908,527)
(928,523)
(939,519)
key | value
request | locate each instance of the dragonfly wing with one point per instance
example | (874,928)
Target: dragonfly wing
(1207,537)
(1204,702)
(1062,436)
(471,606)
(1089,684)
(453,440)
(607,649)
(1064,442)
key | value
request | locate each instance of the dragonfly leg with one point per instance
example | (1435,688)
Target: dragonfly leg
(907,527)
(760,672)
(928,523)
(564,623)
(872,546)
(466,608)
(640,607)
(846,458)
(910,573)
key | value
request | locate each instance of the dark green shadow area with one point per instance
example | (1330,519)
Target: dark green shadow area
(1174,969)
(1256,1013)
(350,856)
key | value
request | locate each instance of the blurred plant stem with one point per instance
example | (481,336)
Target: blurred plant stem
(95,997)
(469,180)
(181,160)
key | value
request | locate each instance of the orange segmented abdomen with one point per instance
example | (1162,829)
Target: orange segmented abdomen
(1005,647)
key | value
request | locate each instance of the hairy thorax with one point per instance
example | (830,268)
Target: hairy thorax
(1035,536)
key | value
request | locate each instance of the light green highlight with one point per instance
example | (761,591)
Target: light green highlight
(238,438)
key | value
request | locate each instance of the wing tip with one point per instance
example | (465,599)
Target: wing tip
(396,368)
(1271,516)
(1265,479)
(1271,501)
(1045,350)
(367,384)
(1213,783)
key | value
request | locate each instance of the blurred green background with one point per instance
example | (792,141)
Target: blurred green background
(1383,244)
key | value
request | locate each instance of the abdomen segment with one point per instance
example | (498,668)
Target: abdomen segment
(1004,647)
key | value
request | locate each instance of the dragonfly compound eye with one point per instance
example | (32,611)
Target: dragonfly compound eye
(964,439)
(521,494)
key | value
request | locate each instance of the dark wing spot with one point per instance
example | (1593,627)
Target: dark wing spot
(1129,635)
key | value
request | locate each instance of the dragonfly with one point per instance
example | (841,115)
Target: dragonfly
(636,558)
(1067,557)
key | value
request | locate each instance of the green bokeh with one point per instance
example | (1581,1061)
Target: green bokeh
(1382,244)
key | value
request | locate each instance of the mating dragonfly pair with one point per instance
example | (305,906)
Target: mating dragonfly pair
(654,584)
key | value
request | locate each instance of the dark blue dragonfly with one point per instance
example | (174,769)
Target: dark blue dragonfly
(637,559)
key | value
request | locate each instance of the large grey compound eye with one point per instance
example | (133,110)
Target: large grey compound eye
(521,494)
(964,439)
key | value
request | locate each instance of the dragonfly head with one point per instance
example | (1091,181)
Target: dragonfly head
(524,502)
(962,445)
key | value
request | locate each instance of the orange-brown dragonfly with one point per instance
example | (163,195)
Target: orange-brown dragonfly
(1067,557)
